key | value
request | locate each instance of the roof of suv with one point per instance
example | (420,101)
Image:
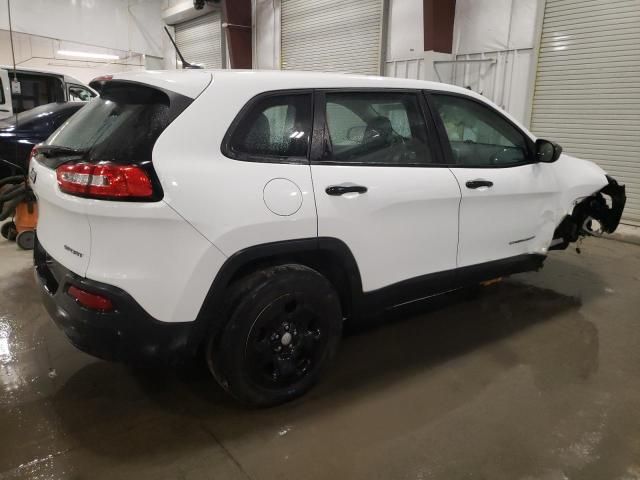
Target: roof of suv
(192,82)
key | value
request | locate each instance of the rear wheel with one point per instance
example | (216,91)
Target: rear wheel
(284,325)
(26,239)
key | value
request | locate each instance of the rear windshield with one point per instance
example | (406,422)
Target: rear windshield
(121,125)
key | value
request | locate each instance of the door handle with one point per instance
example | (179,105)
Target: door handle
(337,190)
(475,184)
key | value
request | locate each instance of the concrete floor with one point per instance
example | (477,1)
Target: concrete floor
(537,378)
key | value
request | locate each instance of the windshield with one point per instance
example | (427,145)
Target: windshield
(120,126)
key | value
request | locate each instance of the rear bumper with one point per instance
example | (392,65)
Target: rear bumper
(127,334)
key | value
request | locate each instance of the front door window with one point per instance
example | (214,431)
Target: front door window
(480,137)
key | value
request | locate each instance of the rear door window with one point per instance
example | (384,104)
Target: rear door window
(276,127)
(377,128)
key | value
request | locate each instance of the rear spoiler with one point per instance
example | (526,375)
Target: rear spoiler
(98,82)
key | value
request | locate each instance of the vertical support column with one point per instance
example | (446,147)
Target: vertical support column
(438,25)
(236,21)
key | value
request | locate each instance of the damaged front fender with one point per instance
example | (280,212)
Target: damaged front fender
(593,216)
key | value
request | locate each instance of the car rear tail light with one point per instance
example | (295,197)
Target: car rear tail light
(104,180)
(90,300)
(102,78)
(99,82)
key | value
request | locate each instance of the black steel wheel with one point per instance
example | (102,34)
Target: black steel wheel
(284,326)
(26,240)
(286,340)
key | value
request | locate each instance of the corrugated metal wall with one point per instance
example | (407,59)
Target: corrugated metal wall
(332,35)
(587,93)
(200,40)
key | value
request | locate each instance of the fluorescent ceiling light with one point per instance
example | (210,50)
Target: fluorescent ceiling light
(102,56)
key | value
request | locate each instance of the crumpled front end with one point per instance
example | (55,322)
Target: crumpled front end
(596,215)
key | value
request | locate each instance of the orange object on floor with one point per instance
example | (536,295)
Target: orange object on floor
(26,217)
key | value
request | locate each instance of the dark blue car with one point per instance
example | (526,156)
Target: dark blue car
(18,134)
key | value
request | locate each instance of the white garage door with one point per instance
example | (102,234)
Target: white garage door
(332,35)
(587,94)
(200,40)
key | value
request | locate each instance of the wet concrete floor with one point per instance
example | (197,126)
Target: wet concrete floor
(536,378)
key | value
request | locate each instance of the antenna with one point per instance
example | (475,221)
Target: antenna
(185,64)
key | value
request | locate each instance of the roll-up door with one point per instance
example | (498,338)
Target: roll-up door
(332,35)
(200,40)
(587,93)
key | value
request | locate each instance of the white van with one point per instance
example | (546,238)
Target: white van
(28,88)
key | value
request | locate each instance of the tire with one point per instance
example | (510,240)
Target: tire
(26,240)
(4,230)
(8,231)
(284,326)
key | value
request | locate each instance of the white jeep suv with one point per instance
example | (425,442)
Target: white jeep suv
(247,214)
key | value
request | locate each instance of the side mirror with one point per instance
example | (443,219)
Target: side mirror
(547,152)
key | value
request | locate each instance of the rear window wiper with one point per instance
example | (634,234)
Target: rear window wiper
(57,150)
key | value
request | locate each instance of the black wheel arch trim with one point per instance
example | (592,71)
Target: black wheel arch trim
(211,315)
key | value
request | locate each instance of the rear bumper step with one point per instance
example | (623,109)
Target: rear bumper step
(127,334)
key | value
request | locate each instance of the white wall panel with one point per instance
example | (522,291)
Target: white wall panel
(419,68)
(84,72)
(495,25)
(118,24)
(506,81)
(413,68)
(405,30)
(523,24)
(481,25)
(146,34)
(267,34)
(4,17)
(502,30)
(40,53)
